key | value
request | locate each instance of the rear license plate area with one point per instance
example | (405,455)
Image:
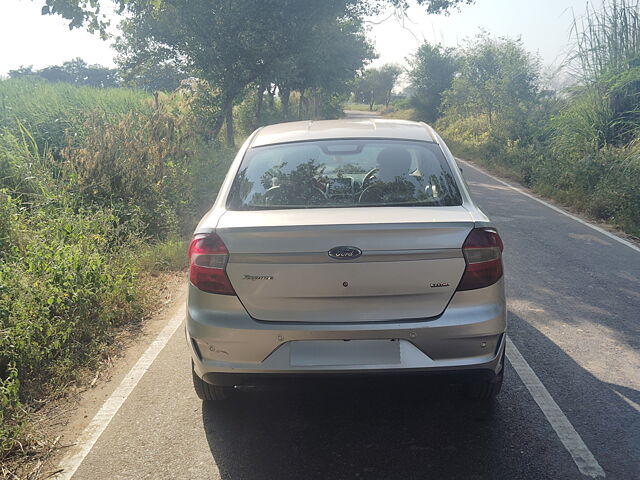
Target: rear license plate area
(333,353)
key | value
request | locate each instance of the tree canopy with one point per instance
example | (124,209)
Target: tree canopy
(76,72)
(376,85)
(497,78)
(89,14)
(232,45)
(431,73)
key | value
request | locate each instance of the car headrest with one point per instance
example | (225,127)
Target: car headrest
(393,162)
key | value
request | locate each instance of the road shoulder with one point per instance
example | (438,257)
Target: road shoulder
(65,419)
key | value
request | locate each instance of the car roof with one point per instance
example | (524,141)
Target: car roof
(345,128)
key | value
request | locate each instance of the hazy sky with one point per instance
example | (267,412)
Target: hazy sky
(28,38)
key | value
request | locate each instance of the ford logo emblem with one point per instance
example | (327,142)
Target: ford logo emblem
(345,253)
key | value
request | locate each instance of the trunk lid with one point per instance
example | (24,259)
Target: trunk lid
(410,265)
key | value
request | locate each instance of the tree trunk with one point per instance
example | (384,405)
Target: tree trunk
(313,110)
(285,94)
(300,104)
(259,101)
(217,126)
(229,123)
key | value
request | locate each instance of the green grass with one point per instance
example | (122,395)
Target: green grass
(361,107)
(97,188)
(170,255)
(603,185)
(401,114)
(48,110)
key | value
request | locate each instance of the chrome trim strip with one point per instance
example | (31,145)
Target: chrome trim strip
(367,256)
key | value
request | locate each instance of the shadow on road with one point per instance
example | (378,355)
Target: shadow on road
(385,430)
(601,412)
(425,429)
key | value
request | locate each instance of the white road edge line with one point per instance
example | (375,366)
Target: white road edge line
(553,207)
(99,423)
(582,456)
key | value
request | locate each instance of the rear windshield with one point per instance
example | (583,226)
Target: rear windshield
(344,173)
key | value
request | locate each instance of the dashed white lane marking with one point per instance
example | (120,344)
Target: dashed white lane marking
(582,456)
(553,207)
(90,435)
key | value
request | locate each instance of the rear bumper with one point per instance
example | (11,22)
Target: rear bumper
(230,347)
(260,377)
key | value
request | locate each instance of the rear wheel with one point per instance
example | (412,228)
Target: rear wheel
(484,388)
(208,392)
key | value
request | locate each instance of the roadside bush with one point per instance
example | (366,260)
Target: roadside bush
(139,165)
(11,412)
(245,113)
(602,183)
(580,148)
(105,189)
(7,223)
(63,285)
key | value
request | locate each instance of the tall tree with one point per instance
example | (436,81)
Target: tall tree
(228,44)
(153,76)
(376,85)
(331,54)
(88,13)
(498,79)
(388,78)
(431,72)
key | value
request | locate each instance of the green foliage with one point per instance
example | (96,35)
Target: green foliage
(64,285)
(233,46)
(11,413)
(607,41)
(169,255)
(376,85)
(431,73)
(582,147)
(498,79)
(152,76)
(83,13)
(113,197)
(49,110)
(138,165)
(605,106)
(583,125)
(76,72)
(249,116)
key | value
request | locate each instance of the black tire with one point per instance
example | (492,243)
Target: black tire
(486,388)
(208,392)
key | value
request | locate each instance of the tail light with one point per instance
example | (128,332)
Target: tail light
(483,253)
(207,262)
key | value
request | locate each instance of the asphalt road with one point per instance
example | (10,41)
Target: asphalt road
(574,308)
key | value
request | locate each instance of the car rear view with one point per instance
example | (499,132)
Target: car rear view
(344,247)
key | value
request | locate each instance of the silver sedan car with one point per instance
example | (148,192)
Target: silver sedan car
(345,247)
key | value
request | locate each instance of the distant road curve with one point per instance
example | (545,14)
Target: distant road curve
(361,114)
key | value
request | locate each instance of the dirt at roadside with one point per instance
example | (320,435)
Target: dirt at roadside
(58,423)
